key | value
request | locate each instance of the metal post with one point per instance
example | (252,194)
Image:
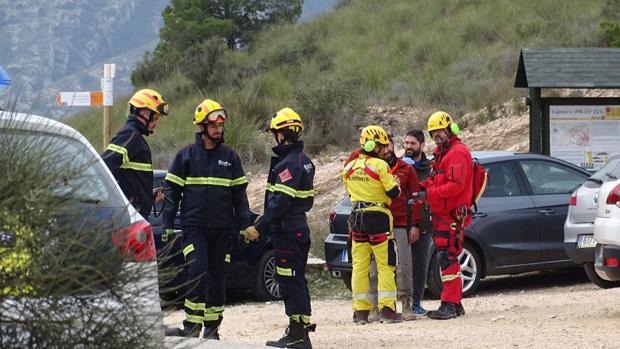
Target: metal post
(536,124)
(108,101)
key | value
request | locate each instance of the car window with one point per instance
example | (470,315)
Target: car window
(502,181)
(83,177)
(546,177)
(611,167)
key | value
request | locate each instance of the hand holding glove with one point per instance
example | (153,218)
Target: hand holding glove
(250,233)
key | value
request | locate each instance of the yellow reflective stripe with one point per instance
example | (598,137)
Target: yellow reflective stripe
(450,277)
(305,319)
(284,189)
(118,149)
(138,166)
(196,319)
(214,310)
(305,193)
(194,306)
(175,179)
(239,181)
(188,249)
(284,271)
(302,194)
(208,181)
(227,258)
(211,317)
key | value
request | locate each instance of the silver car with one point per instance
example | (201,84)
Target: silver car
(101,198)
(579,241)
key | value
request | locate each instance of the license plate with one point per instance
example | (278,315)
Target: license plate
(586,241)
(345,256)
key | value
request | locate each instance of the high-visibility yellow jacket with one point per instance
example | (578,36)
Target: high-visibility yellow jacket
(367,180)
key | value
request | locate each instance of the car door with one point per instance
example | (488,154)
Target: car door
(506,220)
(550,185)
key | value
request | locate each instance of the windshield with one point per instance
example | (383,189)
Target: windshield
(76,170)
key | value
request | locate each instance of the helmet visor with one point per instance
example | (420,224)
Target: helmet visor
(217,115)
(163,108)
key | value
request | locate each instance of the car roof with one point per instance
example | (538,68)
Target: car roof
(36,123)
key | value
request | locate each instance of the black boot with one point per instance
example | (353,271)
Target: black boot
(447,310)
(460,311)
(295,336)
(183,332)
(211,328)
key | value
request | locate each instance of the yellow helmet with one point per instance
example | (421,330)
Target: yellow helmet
(209,110)
(371,135)
(438,121)
(286,118)
(149,99)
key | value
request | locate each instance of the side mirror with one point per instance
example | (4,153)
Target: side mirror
(7,239)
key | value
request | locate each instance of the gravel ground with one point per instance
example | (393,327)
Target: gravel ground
(535,310)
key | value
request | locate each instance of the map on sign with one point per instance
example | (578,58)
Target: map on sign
(585,135)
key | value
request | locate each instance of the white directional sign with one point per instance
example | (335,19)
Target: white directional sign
(79,99)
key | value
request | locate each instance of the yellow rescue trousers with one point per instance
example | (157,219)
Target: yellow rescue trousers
(386,287)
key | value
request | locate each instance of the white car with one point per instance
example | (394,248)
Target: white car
(98,194)
(607,231)
(579,242)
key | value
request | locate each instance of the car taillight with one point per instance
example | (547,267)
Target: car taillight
(614,196)
(611,262)
(573,199)
(136,243)
(332,215)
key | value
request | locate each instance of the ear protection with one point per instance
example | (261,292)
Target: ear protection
(454,128)
(369,145)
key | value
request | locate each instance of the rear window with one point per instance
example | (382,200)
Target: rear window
(611,168)
(83,176)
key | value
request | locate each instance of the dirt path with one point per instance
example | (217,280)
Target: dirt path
(529,311)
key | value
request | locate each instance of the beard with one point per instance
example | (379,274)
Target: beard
(413,153)
(389,157)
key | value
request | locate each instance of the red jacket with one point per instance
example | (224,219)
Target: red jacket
(408,184)
(450,184)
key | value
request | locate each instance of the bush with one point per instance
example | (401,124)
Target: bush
(332,109)
(59,269)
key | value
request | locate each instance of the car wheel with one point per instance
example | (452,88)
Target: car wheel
(266,287)
(346,278)
(471,269)
(596,279)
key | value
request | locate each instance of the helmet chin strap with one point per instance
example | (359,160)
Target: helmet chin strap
(214,140)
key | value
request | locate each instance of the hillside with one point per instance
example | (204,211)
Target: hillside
(54,45)
(455,56)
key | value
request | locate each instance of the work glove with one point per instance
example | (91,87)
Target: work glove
(167,234)
(250,233)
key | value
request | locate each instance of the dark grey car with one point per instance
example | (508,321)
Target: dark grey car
(518,226)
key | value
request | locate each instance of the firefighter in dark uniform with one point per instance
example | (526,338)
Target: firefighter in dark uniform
(209,177)
(289,195)
(128,156)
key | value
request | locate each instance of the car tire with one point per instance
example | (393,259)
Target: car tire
(266,287)
(471,269)
(596,279)
(346,278)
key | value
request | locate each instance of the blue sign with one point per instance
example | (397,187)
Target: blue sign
(5,79)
